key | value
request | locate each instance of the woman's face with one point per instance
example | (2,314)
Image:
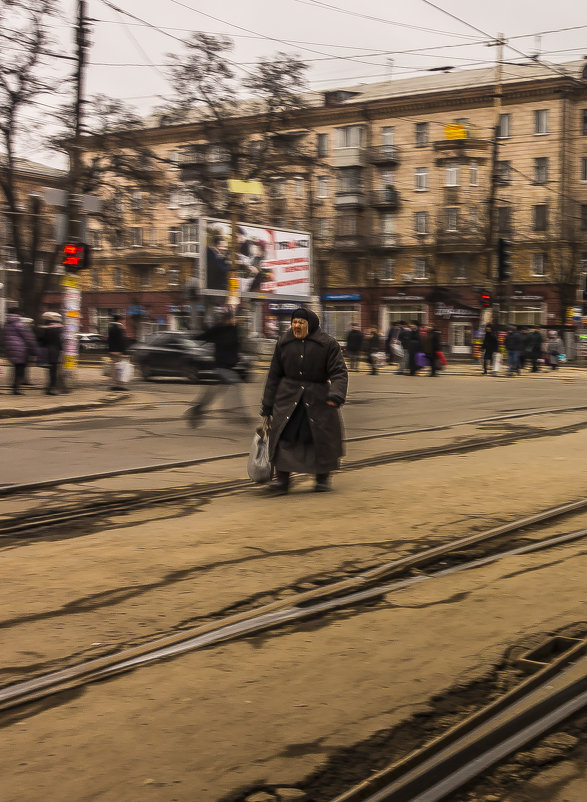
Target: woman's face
(299,326)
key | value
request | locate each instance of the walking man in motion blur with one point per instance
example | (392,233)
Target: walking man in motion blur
(224,335)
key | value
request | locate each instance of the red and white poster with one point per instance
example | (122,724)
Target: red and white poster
(270,262)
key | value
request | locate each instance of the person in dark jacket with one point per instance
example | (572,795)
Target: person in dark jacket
(50,339)
(117,350)
(431,346)
(490,348)
(514,343)
(535,346)
(19,346)
(306,385)
(372,347)
(403,338)
(224,336)
(354,345)
(414,346)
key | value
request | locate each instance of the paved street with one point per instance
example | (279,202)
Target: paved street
(148,427)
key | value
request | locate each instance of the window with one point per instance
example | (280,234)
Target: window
(473,174)
(173,199)
(541,121)
(322,227)
(503,172)
(350,180)
(189,239)
(351,136)
(117,277)
(174,236)
(387,272)
(136,201)
(322,145)
(117,238)
(584,217)
(451,175)
(95,238)
(10,258)
(538,264)
(452,218)
(387,135)
(459,266)
(278,187)
(421,222)
(422,179)
(473,216)
(540,213)
(463,121)
(145,277)
(386,178)
(387,224)
(322,190)
(421,134)
(420,267)
(583,169)
(541,170)
(95,276)
(174,276)
(299,188)
(504,219)
(584,122)
(137,236)
(504,128)
(347,224)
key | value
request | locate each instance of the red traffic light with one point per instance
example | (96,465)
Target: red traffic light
(485,299)
(75,257)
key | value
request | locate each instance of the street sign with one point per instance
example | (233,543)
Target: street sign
(245,187)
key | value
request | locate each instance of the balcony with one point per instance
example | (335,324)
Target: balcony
(469,147)
(349,157)
(462,239)
(347,239)
(387,198)
(384,154)
(353,198)
(383,241)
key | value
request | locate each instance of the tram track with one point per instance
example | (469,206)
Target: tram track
(28,524)
(354,591)
(9,489)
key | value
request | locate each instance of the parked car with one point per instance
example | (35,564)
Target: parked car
(179,353)
(91,342)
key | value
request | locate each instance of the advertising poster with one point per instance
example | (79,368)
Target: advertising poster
(270,262)
(71,321)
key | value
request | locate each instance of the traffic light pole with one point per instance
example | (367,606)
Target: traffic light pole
(490,247)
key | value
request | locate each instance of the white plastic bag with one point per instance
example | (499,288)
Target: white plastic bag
(259,464)
(496,362)
(123,371)
(397,350)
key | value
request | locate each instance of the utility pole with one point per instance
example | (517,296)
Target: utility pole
(491,270)
(74,218)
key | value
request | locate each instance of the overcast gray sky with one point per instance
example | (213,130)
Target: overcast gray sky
(343,41)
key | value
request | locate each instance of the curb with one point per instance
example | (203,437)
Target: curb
(15,412)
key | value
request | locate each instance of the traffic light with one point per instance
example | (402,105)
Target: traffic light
(504,259)
(486,299)
(75,256)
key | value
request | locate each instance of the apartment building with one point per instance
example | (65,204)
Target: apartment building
(397,183)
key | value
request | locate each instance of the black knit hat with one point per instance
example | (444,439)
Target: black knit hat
(307,314)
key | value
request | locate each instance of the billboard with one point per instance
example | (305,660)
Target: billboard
(271,263)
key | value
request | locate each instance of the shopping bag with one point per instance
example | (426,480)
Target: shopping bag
(379,357)
(123,371)
(259,464)
(561,357)
(397,350)
(421,359)
(496,362)
(441,359)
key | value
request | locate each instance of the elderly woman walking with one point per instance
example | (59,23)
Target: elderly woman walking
(306,385)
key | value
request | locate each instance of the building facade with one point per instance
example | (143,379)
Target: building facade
(405,186)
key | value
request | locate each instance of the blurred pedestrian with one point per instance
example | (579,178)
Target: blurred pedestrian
(372,349)
(414,347)
(306,385)
(403,339)
(431,347)
(50,339)
(514,343)
(490,349)
(535,346)
(554,349)
(354,345)
(390,340)
(19,346)
(117,345)
(525,347)
(224,336)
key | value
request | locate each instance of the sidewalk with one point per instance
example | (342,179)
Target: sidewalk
(91,391)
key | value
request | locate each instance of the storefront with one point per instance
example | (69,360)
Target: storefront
(456,325)
(402,307)
(339,311)
(524,310)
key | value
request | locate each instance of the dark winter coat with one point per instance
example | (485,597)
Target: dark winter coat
(490,345)
(18,340)
(116,338)
(50,339)
(311,371)
(354,341)
(372,344)
(534,344)
(225,339)
(514,341)
(431,343)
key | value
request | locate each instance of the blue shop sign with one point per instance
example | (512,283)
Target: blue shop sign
(349,296)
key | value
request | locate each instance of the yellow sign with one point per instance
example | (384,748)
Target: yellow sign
(70,362)
(455,132)
(245,187)
(72,313)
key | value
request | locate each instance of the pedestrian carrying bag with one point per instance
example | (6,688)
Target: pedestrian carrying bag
(259,464)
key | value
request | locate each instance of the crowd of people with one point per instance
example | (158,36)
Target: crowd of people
(412,346)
